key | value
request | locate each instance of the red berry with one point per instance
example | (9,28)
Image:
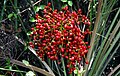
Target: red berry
(86,62)
(68,66)
(32,29)
(30,43)
(72,59)
(37,27)
(57,34)
(62,49)
(49,4)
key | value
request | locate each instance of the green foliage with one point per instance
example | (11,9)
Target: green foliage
(63,6)
(10,15)
(25,62)
(70,3)
(30,73)
(32,19)
(79,73)
(42,7)
(36,8)
(64,0)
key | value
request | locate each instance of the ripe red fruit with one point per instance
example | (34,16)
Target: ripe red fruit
(88,23)
(32,46)
(66,57)
(72,58)
(62,49)
(49,4)
(65,8)
(37,15)
(57,35)
(68,66)
(32,29)
(37,27)
(86,62)
(88,47)
(58,24)
(30,43)
(85,51)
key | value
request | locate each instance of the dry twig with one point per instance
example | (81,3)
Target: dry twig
(42,71)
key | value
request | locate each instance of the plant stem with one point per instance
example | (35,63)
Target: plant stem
(106,43)
(115,69)
(103,46)
(94,32)
(57,68)
(12,70)
(42,71)
(20,72)
(111,47)
(109,58)
(52,4)
(118,73)
(63,65)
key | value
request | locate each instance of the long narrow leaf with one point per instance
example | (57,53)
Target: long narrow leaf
(108,52)
(108,60)
(94,32)
(97,60)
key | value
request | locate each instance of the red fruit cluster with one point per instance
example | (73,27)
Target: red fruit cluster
(57,34)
